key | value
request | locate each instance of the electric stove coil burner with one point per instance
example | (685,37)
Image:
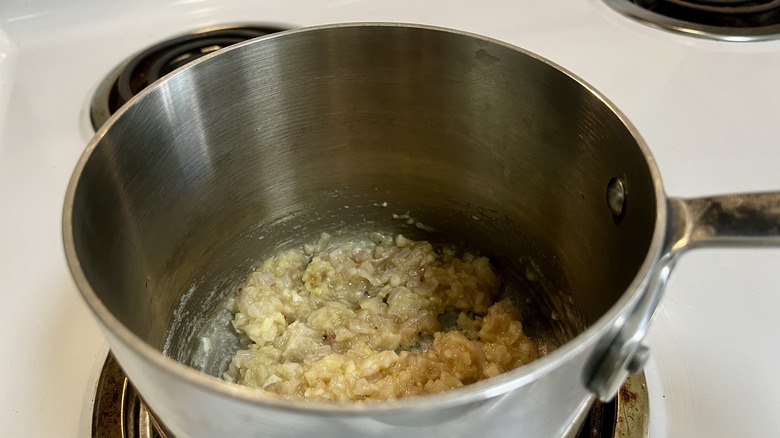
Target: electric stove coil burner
(143,69)
(119,412)
(729,20)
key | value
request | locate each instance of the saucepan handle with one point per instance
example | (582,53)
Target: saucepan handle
(720,221)
(730,220)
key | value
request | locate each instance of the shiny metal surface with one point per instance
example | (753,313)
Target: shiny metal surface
(722,221)
(734,34)
(119,411)
(731,220)
(106,99)
(273,141)
(616,197)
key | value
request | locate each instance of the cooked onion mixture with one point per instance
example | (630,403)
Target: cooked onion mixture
(373,317)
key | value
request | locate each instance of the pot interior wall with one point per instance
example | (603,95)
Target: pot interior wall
(277,140)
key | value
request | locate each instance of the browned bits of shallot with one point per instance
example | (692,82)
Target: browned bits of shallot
(360,319)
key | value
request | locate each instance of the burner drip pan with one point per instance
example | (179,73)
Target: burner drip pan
(726,20)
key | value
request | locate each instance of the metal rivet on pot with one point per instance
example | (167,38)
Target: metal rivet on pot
(639,359)
(616,197)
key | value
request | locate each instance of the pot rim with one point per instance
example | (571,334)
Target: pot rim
(470,393)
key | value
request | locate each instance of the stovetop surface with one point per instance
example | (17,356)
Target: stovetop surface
(708,110)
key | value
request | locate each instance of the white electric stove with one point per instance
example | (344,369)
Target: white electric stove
(710,111)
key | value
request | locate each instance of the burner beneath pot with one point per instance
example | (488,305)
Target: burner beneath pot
(728,20)
(120,412)
(143,69)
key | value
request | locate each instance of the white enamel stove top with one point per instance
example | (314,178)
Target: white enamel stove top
(709,110)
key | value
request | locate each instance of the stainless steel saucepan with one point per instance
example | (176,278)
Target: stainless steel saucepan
(430,132)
